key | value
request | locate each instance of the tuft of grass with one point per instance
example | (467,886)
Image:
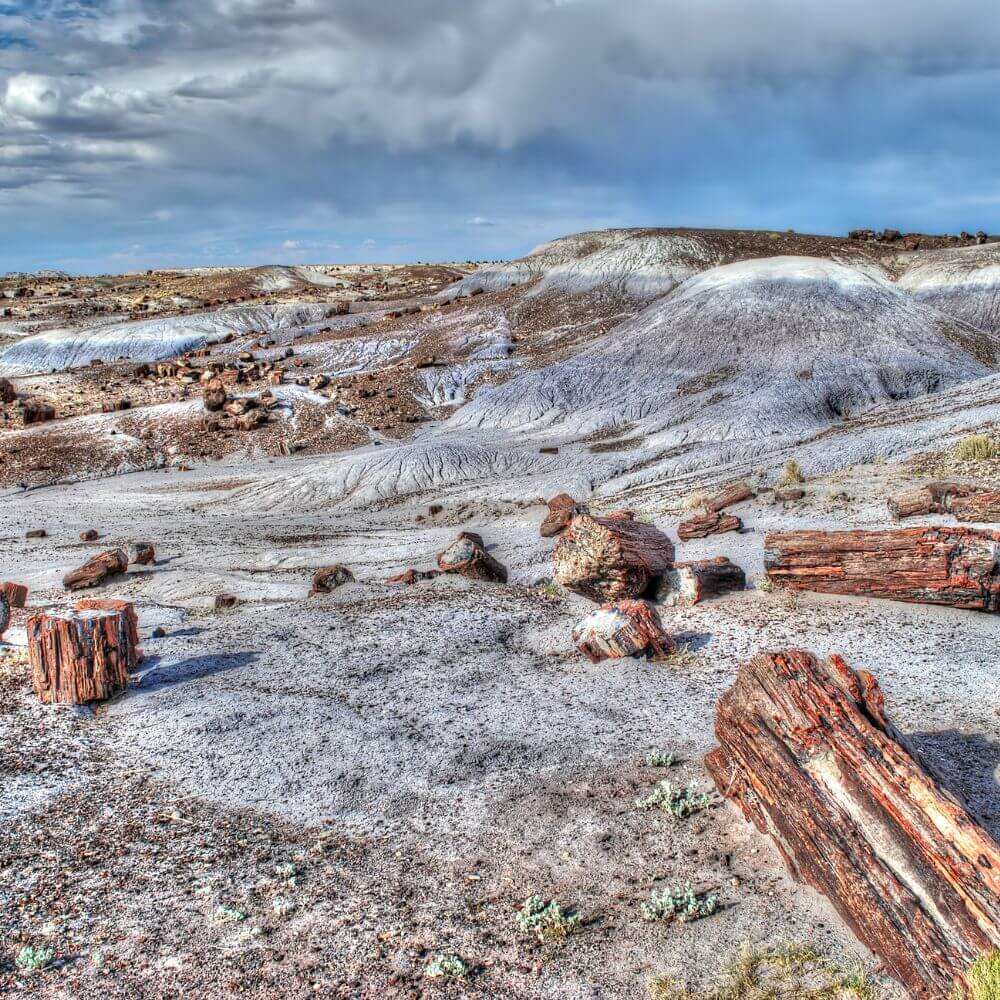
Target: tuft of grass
(679,904)
(659,758)
(977,448)
(546,919)
(792,474)
(765,585)
(676,802)
(982,980)
(32,959)
(446,967)
(695,500)
(787,972)
(552,590)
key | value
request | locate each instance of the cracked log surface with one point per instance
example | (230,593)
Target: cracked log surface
(77,658)
(96,570)
(625,628)
(733,494)
(689,583)
(959,567)
(703,525)
(468,557)
(608,558)
(808,755)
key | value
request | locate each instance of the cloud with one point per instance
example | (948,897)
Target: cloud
(478,220)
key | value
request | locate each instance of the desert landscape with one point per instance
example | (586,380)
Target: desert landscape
(617,621)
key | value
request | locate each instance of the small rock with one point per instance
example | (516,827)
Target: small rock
(90,535)
(36,533)
(223,601)
(158,632)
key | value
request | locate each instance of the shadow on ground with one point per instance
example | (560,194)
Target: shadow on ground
(157,675)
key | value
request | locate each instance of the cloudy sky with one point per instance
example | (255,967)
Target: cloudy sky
(137,133)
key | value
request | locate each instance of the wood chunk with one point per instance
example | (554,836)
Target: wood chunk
(328,578)
(734,494)
(624,628)
(96,570)
(90,535)
(214,395)
(16,593)
(467,556)
(562,509)
(77,658)
(703,525)
(934,498)
(807,753)
(411,576)
(8,394)
(691,582)
(785,493)
(141,553)
(250,421)
(982,507)
(126,608)
(37,411)
(610,558)
(929,565)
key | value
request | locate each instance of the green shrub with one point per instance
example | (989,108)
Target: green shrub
(546,919)
(679,904)
(792,474)
(765,585)
(446,967)
(977,448)
(229,915)
(659,758)
(677,802)
(32,959)
(983,978)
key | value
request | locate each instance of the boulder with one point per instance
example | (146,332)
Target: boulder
(468,557)
(328,578)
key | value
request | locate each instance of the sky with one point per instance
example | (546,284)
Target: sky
(167,133)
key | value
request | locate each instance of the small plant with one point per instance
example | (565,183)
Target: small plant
(446,967)
(765,585)
(983,978)
(792,474)
(977,448)
(696,500)
(552,590)
(659,758)
(32,959)
(679,904)
(229,915)
(546,919)
(677,802)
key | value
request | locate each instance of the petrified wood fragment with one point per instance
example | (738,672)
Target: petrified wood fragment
(562,509)
(126,608)
(734,494)
(16,593)
(625,628)
(37,411)
(7,391)
(930,565)
(982,507)
(411,576)
(76,658)
(608,558)
(467,556)
(934,498)
(96,570)
(214,395)
(807,753)
(328,578)
(691,582)
(703,525)
(141,553)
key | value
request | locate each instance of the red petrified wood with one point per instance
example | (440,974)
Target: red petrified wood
(807,753)
(703,525)
(76,658)
(467,556)
(16,593)
(734,494)
(625,628)
(931,565)
(127,608)
(96,570)
(562,509)
(608,558)
(691,582)
(934,498)
(982,507)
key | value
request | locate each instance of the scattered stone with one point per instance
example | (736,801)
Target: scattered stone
(703,525)
(689,583)
(158,633)
(141,553)
(468,557)
(411,576)
(37,411)
(96,570)
(251,421)
(214,395)
(624,628)
(785,493)
(328,578)
(8,394)
(36,533)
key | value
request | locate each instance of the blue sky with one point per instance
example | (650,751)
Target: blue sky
(142,133)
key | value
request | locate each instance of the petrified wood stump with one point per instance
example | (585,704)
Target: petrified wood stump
(214,395)
(625,628)
(126,608)
(809,756)
(562,509)
(328,578)
(734,494)
(96,570)
(703,525)
(16,593)
(467,556)
(934,498)
(689,583)
(931,565)
(76,658)
(608,558)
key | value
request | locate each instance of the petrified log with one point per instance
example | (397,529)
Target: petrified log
(96,570)
(562,509)
(703,525)
(982,507)
(809,756)
(37,411)
(930,565)
(90,535)
(141,553)
(736,493)
(328,578)
(16,593)
(250,421)
(934,498)
(785,493)
(608,558)
(625,628)
(409,577)
(127,608)
(214,395)
(691,582)
(467,556)
(76,658)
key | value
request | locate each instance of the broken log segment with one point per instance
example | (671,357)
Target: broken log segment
(958,567)
(933,498)
(807,753)
(126,608)
(689,583)
(734,494)
(141,553)
(16,593)
(625,628)
(981,507)
(327,578)
(468,557)
(608,558)
(77,658)
(411,576)
(703,525)
(96,570)
(562,509)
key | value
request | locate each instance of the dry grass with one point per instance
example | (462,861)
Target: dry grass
(977,448)
(982,979)
(792,474)
(695,500)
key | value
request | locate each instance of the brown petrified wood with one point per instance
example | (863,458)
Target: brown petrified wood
(934,498)
(328,578)
(126,608)
(76,658)
(982,507)
(562,509)
(703,525)
(807,753)
(411,576)
(608,558)
(37,411)
(8,394)
(96,570)
(214,395)
(691,582)
(16,593)
(141,553)
(929,565)
(734,494)
(624,628)
(467,556)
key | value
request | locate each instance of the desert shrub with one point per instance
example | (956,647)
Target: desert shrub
(659,758)
(32,959)
(983,978)
(546,919)
(676,802)
(446,967)
(695,500)
(679,904)
(765,585)
(977,448)
(792,474)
